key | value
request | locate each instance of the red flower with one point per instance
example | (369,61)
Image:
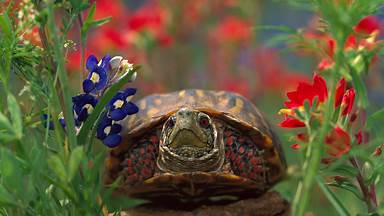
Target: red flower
(340,89)
(233,29)
(368,25)
(291,123)
(359,137)
(338,142)
(306,91)
(347,103)
(324,64)
(295,146)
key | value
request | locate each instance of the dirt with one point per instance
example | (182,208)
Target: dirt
(270,204)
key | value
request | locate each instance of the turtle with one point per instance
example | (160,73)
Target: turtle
(195,144)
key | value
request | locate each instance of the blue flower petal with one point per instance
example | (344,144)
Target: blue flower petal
(83,115)
(62,122)
(88,86)
(112,140)
(104,122)
(129,92)
(105,62)
(118,114)
(46,124)
(130,108)
(116,128)
(91,63)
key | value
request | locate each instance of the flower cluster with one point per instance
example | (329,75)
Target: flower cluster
(362,39)
(337,141)
(102,74)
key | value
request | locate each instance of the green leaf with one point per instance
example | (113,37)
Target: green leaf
(11,171)
(5,124)
(375,122)
(100,22)
(57,166)
(6,27)
(360,89)
(332,197)
(91,120)
(15,112)
(6,198)
(346,170)
(74,161)
(347,185)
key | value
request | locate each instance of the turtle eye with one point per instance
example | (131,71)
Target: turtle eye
(171,122)
(204,122)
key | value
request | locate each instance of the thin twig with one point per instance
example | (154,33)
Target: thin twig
(363,187)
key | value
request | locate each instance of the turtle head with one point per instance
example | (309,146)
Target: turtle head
(189,142)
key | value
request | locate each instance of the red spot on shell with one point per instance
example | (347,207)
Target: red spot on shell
(241,150)
(154,139)
(254,161)
(229,141)
(129,162)
(145,172)
(142,151)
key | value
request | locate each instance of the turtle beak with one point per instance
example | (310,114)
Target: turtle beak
(186,131)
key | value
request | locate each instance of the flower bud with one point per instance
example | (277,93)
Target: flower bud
(347,103)
(340,89)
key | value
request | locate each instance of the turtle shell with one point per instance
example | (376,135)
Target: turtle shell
(231,108)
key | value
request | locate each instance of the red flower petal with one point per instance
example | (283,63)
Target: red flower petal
(307,91)
(359,137)
(338,142)
(303,137)
(347,103)
(291,123)
(368,25)
(295,146)
(340,89)
(324,64)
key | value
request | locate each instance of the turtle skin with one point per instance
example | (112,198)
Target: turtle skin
(254,160)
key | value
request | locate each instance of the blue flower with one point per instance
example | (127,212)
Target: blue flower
(98,73)
(50,124)
(120,106)
(46,124)
(83,105)
(108,131)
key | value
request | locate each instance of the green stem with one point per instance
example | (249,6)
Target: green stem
(59,57)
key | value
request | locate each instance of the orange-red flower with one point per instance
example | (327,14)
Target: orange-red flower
(340,89)
(304,91)
(233,29)
(368,25)
(338,142)
(347,103)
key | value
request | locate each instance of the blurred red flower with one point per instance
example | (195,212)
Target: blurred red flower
(338,142)
(232,30)
(368,25)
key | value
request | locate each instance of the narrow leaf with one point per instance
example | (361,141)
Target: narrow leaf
(15,112)
(57,166)
(74,161)
(332,197)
